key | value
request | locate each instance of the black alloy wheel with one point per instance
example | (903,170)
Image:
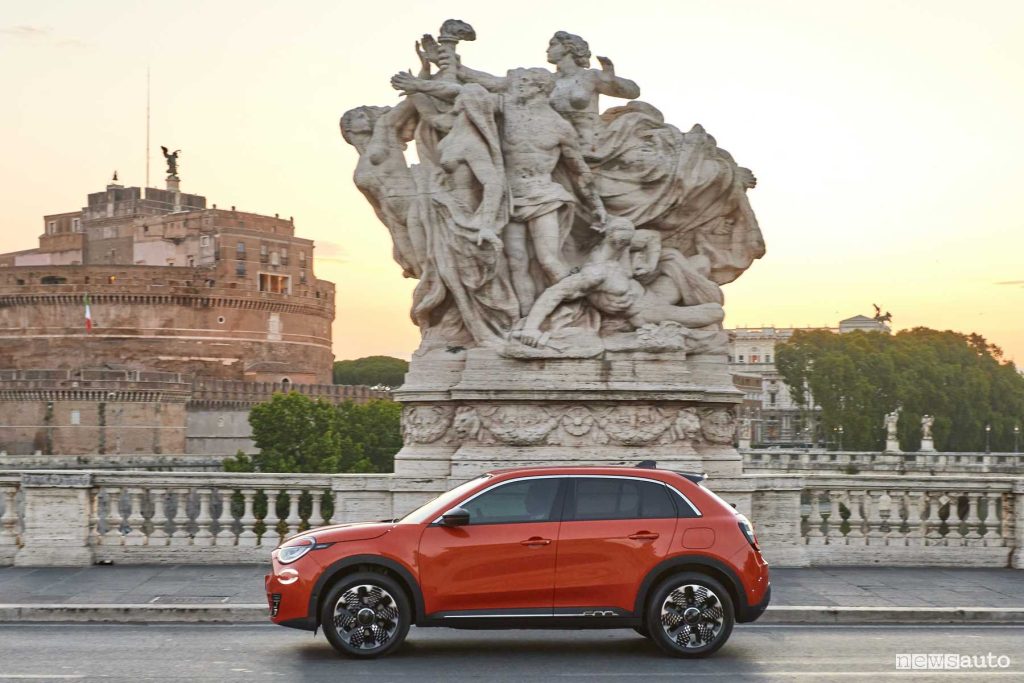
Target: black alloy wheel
(690,615)
(366,615)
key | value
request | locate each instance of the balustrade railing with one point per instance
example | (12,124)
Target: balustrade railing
(896,520)
(866,462)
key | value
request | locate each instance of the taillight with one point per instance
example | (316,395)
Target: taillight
(748,531)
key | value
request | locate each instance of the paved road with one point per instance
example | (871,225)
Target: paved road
(258,653)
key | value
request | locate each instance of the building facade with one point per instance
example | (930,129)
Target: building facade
(775,418)
(179,295)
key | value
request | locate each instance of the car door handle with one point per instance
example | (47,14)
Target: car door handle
(536,541)
(644,536)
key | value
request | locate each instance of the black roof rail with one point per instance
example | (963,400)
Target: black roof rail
(647,465)
(693,476)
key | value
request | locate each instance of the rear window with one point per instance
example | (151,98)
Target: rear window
(615,498)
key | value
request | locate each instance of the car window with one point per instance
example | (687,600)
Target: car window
(529,500)
(614,498)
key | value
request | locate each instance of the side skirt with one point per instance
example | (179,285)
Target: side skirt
(561,618)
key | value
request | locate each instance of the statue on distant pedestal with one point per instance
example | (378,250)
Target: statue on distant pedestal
(172,162)
(926,426)
(891,422)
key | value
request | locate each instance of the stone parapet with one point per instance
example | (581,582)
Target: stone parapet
(173,517)
(852,462)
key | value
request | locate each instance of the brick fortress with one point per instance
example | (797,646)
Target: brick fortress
(197,313)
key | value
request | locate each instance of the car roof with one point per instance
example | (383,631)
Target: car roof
(648,471)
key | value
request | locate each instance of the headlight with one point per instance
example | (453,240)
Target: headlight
(295,550)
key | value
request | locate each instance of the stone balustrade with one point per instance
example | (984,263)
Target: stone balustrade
(896,520)
(77,517)
(770,461)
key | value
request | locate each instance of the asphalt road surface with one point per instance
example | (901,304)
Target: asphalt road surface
(266,652)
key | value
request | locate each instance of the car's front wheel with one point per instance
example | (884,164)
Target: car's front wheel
(366,615)
(690,615)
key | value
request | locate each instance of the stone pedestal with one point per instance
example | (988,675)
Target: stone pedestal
(471,411)
(57,515)
(927,445)
(892,446)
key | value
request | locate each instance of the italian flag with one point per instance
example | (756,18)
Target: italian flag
(88,315)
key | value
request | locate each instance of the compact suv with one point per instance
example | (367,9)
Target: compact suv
(546,547)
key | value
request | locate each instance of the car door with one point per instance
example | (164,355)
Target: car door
(503,560)
(614,531)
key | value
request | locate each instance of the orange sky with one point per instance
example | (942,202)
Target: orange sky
(886,136)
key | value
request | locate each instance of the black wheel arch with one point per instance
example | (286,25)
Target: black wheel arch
(714,568)
(354,563)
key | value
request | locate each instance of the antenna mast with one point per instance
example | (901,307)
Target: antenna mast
(147,125)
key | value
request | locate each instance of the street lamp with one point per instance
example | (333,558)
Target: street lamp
(988,438)
(1016,438)
(840,429)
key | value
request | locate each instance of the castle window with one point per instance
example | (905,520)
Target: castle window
(275,284)
(76,417)
(240,268)
(284,257)
(240,251)
(51,227)
(286,383)
(741,359)
(302,277)
(264,255)
(767,358)
(76,224)
(204,240)
(755,359)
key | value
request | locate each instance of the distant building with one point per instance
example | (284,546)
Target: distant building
(196,313)
(776,420)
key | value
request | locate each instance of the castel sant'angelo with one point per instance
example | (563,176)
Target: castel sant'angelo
(148,322)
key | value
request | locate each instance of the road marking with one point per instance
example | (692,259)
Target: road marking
(19,677)
(815,674)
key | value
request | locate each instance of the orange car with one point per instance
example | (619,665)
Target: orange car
(543,547)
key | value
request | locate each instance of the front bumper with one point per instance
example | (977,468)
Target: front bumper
(288,598)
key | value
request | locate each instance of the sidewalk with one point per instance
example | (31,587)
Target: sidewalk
(235,593)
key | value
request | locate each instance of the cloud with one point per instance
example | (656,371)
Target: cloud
(44,34)
(330,251)
(1011,282)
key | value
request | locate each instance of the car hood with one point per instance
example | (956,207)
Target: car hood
(358,531)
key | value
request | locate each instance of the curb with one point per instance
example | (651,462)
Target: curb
(257,614)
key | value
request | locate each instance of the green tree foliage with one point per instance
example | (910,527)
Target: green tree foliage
(297,434)
(371,371)
(856,378)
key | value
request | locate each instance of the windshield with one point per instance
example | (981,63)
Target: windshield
(436,506)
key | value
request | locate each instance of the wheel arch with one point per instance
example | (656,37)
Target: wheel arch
(714,568)
(350,565)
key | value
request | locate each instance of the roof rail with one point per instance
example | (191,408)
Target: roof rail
(693,476)
(647,465)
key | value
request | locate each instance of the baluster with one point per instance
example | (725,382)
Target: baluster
(226,522)
(180,535)
(873,503)
(158,536)
(915,528)
(94,518)
(316,517)
(203,535)
(973,521)
(933,533)
(136,534)
(334,506)
(815,520)
(9,519)
(294,520)
(856,535)
(834,532)
(894,519)
(248,536)
(271,536)
(993,516)
(115,521)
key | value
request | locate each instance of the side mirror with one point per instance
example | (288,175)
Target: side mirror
(455,517)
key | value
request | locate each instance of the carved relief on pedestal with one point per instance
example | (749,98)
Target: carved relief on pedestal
(569,425)
(718,425)
(425,424)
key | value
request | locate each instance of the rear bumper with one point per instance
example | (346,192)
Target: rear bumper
(749,613)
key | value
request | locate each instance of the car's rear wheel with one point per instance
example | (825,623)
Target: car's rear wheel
(366,615)
(690,615)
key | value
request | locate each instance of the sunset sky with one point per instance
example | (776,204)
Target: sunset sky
(887,136)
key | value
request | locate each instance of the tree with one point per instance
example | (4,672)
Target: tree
(371,371)
(858,377)
(297,434)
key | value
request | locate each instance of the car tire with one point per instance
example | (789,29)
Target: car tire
(366,615)
(690,615)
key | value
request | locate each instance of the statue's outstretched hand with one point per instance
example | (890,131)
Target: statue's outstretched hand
(606,65)
(424,58)
(405,82)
